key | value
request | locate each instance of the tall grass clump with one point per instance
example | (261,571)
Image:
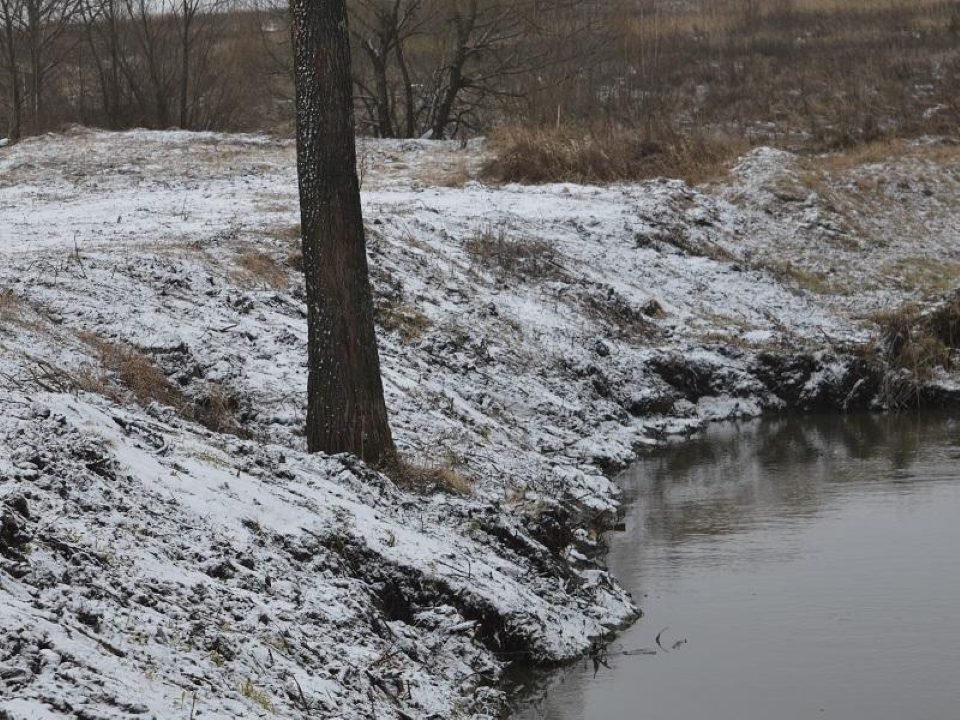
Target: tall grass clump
(604,155)
(915,346)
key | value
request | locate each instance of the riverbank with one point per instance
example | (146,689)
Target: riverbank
(169,548)
(809,533)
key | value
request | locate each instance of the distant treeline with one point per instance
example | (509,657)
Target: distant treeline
(803,73)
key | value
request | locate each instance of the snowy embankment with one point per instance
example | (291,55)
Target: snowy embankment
(167,549)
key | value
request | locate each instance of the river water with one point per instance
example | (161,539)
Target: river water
(791,568)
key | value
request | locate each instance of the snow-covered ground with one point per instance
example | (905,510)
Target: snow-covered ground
(533,340)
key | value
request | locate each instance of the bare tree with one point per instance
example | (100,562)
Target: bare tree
(383,27)
(38,30)
(194,20)
(493,49)
(346,411)
(103,21)
(151,72)
(47,26)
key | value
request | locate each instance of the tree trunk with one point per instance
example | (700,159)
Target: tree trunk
(382,88)
(445,107)
(185,42)
(346,411)
(16,98)
(410,114)
(113,104)
(16,108)
(36,64)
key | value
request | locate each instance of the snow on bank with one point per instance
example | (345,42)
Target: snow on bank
(532,339)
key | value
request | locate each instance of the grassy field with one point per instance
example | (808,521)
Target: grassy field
(692,83)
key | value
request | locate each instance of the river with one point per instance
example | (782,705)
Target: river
(788,569)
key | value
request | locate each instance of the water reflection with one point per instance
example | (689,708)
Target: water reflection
(812,564)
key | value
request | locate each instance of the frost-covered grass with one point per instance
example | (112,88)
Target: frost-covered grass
(167,547)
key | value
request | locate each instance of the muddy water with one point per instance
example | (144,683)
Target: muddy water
(792,569)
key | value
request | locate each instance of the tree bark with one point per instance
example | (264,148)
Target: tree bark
(346,411)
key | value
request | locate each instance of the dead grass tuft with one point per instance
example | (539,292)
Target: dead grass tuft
(217,409)
(605,155)
(287,233)
(260,268)
(431,475)
(914,345)
(808,280)
(394,315)
(10,306)
(134,370)
(497,250)
(456,174)
(929,277)
(128,368)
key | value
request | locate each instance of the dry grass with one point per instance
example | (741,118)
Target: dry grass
(926,276)
(431,475)
(134,370)
(841,164)
(914,345)
(11,308)
(808,280)
(15,311)
(287,233)
(217,409)
(397,316)
(605,155)
(128,369)
(456,174)
(808,75)
(260,268)
(500,250)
